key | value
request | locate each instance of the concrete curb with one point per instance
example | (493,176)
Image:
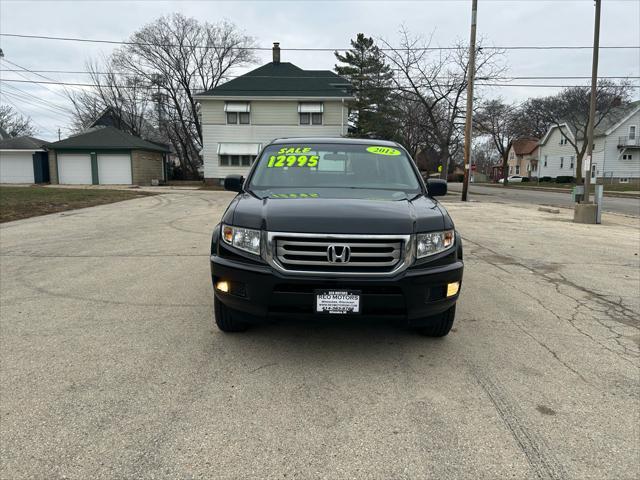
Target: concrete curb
(562,190)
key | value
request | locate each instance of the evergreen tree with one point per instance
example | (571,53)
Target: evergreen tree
(371,114)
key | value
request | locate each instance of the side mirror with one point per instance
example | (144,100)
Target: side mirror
(436,187)
(233,183)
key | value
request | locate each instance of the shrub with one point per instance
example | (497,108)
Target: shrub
(565,179)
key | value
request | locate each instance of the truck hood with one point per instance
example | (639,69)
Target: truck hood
(359,212)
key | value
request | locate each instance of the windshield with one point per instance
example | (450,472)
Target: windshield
(326,165)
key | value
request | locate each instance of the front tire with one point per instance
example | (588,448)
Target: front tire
(439,325)
(228,320)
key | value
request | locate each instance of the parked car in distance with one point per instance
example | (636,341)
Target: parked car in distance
(323,228)
(514,179)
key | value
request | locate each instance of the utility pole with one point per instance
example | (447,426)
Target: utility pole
(471,73)
(58,133)
(592,104)
(586,212)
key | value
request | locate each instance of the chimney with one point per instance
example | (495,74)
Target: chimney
(276,52)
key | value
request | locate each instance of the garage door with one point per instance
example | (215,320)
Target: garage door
(74,169)
(114,169)
(16,167)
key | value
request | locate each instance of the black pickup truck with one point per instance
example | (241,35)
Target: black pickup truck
(335,226)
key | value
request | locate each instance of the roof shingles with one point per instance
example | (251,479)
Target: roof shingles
(22,143)
(106,138)
(283,80)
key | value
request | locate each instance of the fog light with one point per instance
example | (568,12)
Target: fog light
(452,289)
(222,286)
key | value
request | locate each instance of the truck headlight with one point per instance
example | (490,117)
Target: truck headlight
(245,239)
(434,242)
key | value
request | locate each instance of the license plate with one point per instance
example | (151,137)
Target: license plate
(341,302)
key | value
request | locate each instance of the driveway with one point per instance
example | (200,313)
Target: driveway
(112,368)
(626,206)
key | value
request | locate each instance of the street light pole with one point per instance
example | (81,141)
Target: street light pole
(471,73)
(592,103)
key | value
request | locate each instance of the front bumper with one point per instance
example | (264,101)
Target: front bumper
(262,292)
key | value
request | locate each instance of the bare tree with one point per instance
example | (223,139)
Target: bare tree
(437,79)
(181,57)
(128,96)
(569,111)
(497,120)
(484,154)
(165,64)
(15,124)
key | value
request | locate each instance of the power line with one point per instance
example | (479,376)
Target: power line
(73,84)
(306,49)
(37,74)
(29,117)
(507,77)
(35,101)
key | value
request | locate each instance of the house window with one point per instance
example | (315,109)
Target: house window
(545,160)
(310,113)
(237,160)
(510,170)
(623,180)
(517,169)
(243,118)
(632,132)
(309,118)
(563,140)
(627,156)
(571,165)
(238,113)
(561,162)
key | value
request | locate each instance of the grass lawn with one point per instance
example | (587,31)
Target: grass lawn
(24,202)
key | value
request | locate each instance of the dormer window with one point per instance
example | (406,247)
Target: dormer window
(310,113)
(238,113)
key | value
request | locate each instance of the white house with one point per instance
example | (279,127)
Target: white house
(616,152)
(276,100)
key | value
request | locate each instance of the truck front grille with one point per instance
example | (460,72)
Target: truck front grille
(339,253)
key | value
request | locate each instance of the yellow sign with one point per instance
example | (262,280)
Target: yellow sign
(439,168)
(293,150)
(283,161)
(383,150)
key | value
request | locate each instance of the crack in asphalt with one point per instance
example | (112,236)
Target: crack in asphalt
(622,315)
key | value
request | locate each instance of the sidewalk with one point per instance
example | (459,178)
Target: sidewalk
(630,194)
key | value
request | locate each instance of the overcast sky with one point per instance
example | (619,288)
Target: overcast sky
(316,23)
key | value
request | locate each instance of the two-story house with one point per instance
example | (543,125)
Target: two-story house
(523,157)
(276,100)
(616,150)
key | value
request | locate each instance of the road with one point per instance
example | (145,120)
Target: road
(111,366)
(626,206)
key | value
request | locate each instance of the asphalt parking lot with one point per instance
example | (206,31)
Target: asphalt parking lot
(112,368)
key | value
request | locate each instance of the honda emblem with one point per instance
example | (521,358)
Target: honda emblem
(338,253)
